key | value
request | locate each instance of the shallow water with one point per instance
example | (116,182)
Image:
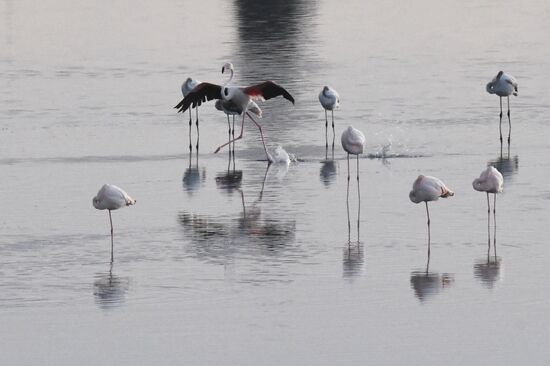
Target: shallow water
(223,261)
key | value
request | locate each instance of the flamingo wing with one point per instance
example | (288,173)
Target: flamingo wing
(199,94)
(512,81)
(267,90)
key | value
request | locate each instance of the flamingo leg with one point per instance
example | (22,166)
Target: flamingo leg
(261,196)
(333,133)
(488,226)
(233,133)
(229,162)
(500,124)
(232,140)
(495,223)
(326,129)
(190,125)
(428,264)
(269,160)
(228,139)
(112,245)
(228,125)
(347,205)
(242,200)
(197,122)
(429,239)
(359,199)
(509,121)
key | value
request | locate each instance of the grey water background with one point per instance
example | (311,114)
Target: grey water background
(227,263)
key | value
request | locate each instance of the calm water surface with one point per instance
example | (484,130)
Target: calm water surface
(226,262)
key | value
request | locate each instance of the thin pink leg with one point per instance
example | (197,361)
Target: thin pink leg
(262,135)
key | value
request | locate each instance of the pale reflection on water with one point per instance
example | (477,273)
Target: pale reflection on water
(193,176)
(488,271)
(505,163)
(249,232)
(273,38)
(353,259)
(327,174)
(428,284)
(110,289)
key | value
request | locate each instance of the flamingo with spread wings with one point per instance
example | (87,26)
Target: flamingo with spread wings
(241,98)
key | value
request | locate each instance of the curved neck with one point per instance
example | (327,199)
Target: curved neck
(230,78)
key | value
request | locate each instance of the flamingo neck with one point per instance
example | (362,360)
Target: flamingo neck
(225,91)
(230,78)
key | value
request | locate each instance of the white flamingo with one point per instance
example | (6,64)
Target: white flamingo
(186,87)
(426,189)
(241,97)
(111,197)
(503,85)
(490,181)
(353,142)
(330,100)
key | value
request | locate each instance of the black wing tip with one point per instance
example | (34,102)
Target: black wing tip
(289,97)
(179,105)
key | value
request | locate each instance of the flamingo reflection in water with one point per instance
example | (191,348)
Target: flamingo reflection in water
(250,231)
(193,176)
(328,172)
(427,284)
(110,289)
(488,271)
(352,260)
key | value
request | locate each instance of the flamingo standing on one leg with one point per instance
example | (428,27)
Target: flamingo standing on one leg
(503,85)
(353,142)
(111,197)
(425,189)
(241,97)
(490,181)
(186,87)
(330,100)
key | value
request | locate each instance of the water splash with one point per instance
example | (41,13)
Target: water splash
(384,151)
(280,156)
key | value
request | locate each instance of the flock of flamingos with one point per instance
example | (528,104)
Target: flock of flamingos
(234,100)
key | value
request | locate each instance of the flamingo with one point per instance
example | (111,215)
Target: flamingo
(330,100)
(490,181)
(353,142)
(425,189)
(186,87)
(241,97)
(111,197)
(503,85)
